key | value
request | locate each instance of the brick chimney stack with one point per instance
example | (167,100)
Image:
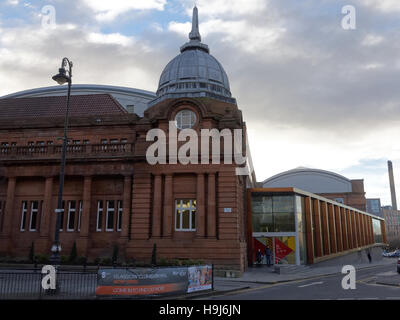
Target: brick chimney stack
(392,188)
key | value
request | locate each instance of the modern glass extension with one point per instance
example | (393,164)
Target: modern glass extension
(299,227)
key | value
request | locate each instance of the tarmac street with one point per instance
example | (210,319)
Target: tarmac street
(378,282)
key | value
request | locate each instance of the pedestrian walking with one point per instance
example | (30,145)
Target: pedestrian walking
(369,255)
(259,256)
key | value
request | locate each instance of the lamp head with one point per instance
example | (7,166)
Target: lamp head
(61,77)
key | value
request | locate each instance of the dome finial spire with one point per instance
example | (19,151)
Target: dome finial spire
(195,34)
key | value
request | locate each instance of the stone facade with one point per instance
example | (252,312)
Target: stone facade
(106,161)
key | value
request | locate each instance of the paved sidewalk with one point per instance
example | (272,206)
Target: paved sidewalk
(256,276)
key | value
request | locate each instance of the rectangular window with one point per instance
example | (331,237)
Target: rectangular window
(79,215)
(124,140)
(104,141)
(185,215)
(49,143)
(23,215)
(113,140)
(99,215)
(71,215)
(34,214)
(110,216)
(86,141)
(119,218)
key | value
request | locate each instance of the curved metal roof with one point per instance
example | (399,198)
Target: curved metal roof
(77,89)
(312,180)
(134,100)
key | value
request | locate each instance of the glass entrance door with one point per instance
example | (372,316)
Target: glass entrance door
(260,245)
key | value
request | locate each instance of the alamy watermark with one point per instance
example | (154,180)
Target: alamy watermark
(48,17)
(49,280)
(188,153)
(349,281)
(349,20)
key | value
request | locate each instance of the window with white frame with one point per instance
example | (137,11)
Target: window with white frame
(34,215)
(23,215)
(185,215)
(110,216)
(79,215)
(99,215)
(119,217)
(71,215)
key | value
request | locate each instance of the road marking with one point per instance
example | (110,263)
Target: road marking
(310,284)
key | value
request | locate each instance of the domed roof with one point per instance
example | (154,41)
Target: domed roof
(194,72)
(311,180)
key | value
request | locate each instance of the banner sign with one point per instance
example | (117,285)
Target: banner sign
(142,281)
(157,281)
(281,250)
(200,278)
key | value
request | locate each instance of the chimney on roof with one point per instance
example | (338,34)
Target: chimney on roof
(392,188)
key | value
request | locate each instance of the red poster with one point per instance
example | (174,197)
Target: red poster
(281,250)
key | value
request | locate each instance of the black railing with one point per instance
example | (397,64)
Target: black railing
(27,285)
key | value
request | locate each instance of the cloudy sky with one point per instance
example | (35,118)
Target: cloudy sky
(312,93)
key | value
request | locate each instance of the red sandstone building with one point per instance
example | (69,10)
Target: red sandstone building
(112,195)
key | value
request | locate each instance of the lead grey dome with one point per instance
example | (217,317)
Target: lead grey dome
(194,72)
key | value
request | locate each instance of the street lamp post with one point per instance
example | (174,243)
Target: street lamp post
(61,78)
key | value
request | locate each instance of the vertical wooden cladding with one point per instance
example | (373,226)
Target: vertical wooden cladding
(325,229)
(360,229)
(309,230)
(332,228)
(384,238)
(363,233)
(354,228)
(338,228)
(342,214)
(317,228)
(349,229)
